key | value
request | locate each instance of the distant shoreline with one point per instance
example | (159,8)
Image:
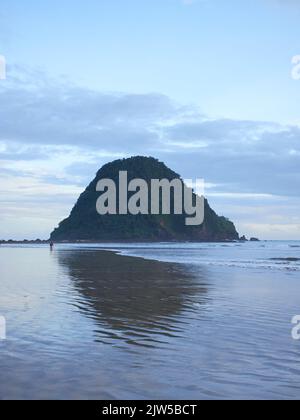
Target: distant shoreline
(25,242)
(47,242)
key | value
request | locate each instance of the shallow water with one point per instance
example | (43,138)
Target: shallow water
(207,321)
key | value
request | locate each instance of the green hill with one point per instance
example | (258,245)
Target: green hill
(85,224)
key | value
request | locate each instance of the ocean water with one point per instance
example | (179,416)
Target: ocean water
(150,321)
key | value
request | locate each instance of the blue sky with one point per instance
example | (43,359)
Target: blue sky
(204,85)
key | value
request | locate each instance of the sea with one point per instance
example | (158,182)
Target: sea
(150,321)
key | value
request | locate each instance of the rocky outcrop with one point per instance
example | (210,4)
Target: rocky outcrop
(85,224)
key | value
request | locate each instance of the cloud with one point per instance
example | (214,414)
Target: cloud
(191,2)
(75,117)
(286,3)
(250,156)
(55,136)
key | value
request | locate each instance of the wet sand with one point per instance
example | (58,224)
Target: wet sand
(92,324)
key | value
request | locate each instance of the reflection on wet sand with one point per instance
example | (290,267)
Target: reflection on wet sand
(132,299)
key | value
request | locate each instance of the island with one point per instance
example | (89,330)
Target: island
(84,223)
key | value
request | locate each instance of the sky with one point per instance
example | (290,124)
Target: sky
(207,86)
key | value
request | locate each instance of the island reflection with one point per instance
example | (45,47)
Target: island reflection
(134,300)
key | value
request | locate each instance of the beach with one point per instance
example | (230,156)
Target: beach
(150,321)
